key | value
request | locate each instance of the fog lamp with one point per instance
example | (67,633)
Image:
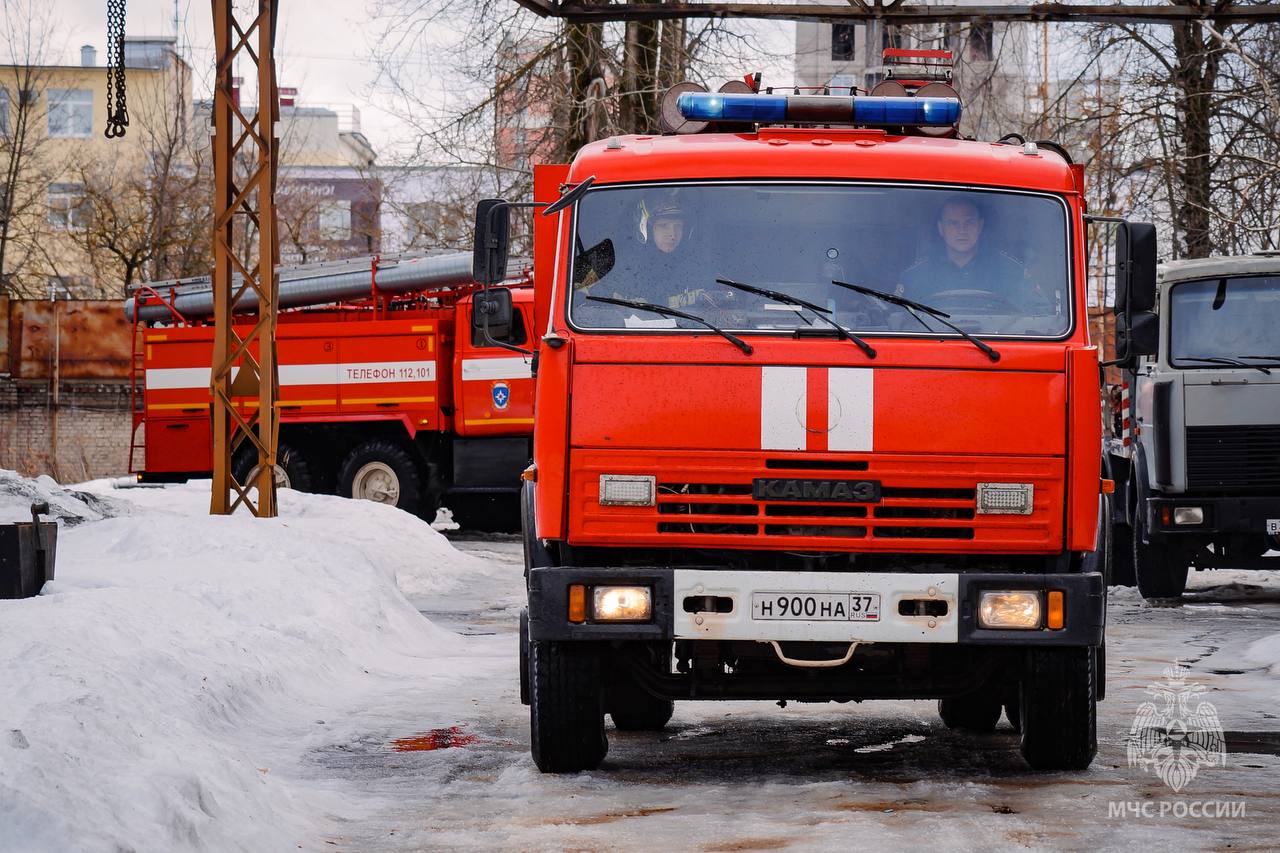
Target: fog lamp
(1006,498)
(627,490)
(1188,515)
(622,604)
(1009,610)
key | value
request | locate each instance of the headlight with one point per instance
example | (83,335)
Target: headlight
(1188,515)
(1006,498)
(627,490)
(1009,610)
(622,604)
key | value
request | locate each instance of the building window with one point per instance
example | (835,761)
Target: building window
(842,41)
(892,36)
(335,220)
(4,112)
(71,113)
(978,47)
(67,210)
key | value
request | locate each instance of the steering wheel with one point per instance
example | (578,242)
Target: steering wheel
(972,299)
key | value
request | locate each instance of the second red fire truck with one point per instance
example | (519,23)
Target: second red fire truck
(389,388)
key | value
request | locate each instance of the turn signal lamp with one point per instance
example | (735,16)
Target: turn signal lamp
(577,603)
(1009,610)
(819,109)
(621,604)
(1056,617)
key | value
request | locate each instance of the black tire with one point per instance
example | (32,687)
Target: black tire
(566,708)
(485,513)
(634,710)
(1122,554)
(1161,571)
(1058,708)
(391,458)
(974,713)
(1013,713)
(297,469)
(524,656)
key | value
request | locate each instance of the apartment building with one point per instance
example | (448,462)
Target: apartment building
(67,179)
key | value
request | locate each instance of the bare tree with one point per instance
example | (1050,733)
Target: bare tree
(28,161)
(1182,119)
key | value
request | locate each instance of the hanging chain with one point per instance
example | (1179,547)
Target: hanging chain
(117,112)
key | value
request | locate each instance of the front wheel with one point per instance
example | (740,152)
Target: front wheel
(1161,571)
(1058,708)
(566,707)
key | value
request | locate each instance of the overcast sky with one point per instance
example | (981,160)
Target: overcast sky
(321,47)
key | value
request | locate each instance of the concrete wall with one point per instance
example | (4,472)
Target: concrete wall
(86,435)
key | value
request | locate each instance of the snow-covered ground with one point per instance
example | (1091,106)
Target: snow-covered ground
(199,683)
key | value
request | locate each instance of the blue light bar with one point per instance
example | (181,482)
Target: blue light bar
(819,109)
(914,112)
(714,106)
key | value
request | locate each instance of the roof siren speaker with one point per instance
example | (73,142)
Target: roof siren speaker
(937,90)
(669,115)
(889,89)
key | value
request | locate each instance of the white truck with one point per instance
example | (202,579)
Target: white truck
(1194,444)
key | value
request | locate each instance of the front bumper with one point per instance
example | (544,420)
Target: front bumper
(914,608)
(1233,514)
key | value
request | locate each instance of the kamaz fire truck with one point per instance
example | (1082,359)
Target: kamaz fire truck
(817,419)
(390,390)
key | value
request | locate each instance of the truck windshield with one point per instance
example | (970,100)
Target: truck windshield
(996,262)
(1224,318)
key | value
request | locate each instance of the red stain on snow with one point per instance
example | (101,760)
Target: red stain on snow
(434,739)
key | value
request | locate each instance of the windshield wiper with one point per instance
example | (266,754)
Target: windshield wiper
(912,305)
(1275,358)
(818,311)
(1233,362)
(673,312)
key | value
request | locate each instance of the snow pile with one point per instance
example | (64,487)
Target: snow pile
(177,652)
(18,493)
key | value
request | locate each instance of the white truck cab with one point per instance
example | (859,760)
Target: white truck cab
(1197,452)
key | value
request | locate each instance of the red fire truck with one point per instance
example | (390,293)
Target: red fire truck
(817,419)
(389,389)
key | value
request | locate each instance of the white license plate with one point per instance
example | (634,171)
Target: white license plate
(1273,526)
(817,606)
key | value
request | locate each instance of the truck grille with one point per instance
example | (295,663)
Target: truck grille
(898,509)
(1233,457)
(707,500)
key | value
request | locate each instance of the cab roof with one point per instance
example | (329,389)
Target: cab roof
(1263,263)
(833,153)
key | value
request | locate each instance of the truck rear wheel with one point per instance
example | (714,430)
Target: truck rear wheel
(293,471)
(975,712)
(1161,571)
(566,707)
(382,471)
(1058,708)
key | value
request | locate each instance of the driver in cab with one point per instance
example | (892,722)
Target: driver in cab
(966,262)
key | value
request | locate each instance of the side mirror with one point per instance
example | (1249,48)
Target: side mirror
(1141,336)
(492,308)
(1135,267)
(492,241)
